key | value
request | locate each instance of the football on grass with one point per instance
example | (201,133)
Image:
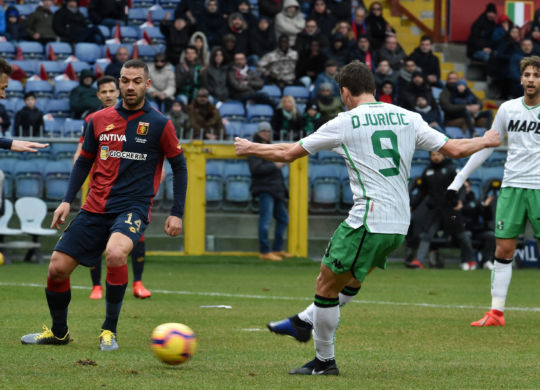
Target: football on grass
(173,343)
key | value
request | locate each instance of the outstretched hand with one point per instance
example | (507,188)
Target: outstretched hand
(26,146)
(492,138)
(241,146)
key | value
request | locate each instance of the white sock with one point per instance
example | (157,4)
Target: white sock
(307,314)
(325,323)
(500,281)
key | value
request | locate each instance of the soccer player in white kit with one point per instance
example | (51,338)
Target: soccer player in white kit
(519,198)
(377,141)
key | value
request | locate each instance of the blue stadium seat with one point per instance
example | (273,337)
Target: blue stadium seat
(88,52)
(28,178)
(41,103)
(7,50)
(106,31)
(299,93)
(417,169)
(155,35)
(79,66)
(62,50)
(454,132)
(73,127)
(6,165)
(436,92)
(249,130)
(237,186)
(31,50)
(259,112)
(62,88)
(40,88)
(129,34)
(329,157)
(29,66)
(169,3)
(498,157)
(143,3)
(234,129)
(56,176)
(420,156)
(53,68)
(147,52)
(84,11)
(477,186)
(326,187)
(301,108)
(273,91)
(491,172)
(26,9)
(17,105)
(113,47)
(214,184)
(137,16)
(233,111)
(14,89)
(63,150)
(53,128)
(158,15)
(58,108)
(347,200)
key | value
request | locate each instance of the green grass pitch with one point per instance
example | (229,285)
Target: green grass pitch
(407,329)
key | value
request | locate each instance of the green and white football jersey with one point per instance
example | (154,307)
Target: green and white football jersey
(522,125)
(377,141)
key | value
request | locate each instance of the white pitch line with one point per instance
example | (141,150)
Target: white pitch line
(285,298)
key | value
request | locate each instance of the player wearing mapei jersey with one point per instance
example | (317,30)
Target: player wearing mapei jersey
(519,198)
(377,141)
(123,150)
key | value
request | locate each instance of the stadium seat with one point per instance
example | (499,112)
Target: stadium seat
(28,66)
(249,130)
(326,187)
(73,128)
(299,93)
(129,34)
(40,88)
(63,150)
(143,3)
(4,220)
(137,16)
(54,127)
(56,176)
(214,184)
(31,50)
(158,15)
(259,112)
(14,89)
(41,103)
(329,157)
(234,129)
(421,156)
(28,179)
(417,169)
(79,66)
(498,157)
(15,105)
(233,111)
(436,92)
(169,3)
(7,50)
(488,173)
(155,35)
(58,108)
(84,11)
(301,108)
(237,186)
(147,52)
(347,200)
(25,9)
(62,88)
(6,165)
(88,52)
(454,132)
(273,91)
(62,50)
(53,68)
(113,47)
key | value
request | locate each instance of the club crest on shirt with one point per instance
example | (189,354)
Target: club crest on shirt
(142,128)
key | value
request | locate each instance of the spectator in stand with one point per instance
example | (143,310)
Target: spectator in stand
(479,41)
(526,49)
(70,25)
(478,217)
(4,120)
(311,119)
(198,41)
(188,75)
(339,49)
(244,8)
(328,77)
(15,26)
(405,74)
(427,61)
(191,11)
(262,40)
(179,119)
(393,52)
(345,29)
(229,44)
(278,65)
(270,8)
(228,7)
(329,105)
(341,9)
(83,99)
(362,52)
(163,84)
(268,185)
(238,27)
(504,24)
(499,63)
(287,121)
(534,33)
(176,37)
(435,179)
(377,26)
(244,82)
(386,94)
(29,120)
(417,87)
(359,25)
(290,21)
(311,63)
(108,12)
(473,113)
(39,25)
(120,57)
(311,33)
(428,112)
(384,73)
(204,118)
(325,20)
(215,75)
(212,23)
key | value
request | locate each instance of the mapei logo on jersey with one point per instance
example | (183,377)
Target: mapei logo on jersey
(523,126)
(142,128)
(112,137)
(105,153)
